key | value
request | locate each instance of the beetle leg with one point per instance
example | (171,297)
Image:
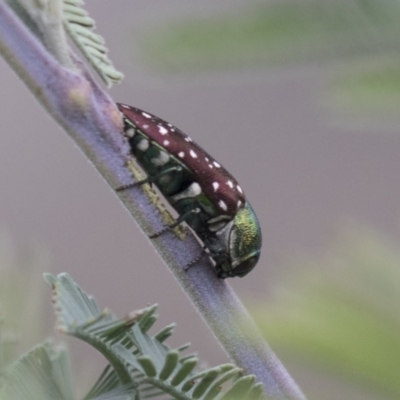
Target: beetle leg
(181,219)
(149,179)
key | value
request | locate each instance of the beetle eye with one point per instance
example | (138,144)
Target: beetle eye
(246,266)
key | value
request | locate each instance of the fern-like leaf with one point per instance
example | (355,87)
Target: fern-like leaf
(40,374)
(79,27)
(141,365)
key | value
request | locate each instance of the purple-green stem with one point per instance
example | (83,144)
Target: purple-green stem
(92,120)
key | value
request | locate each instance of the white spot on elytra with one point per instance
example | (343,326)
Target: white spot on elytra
(216,164)
(162,130)
(145,126)
(206,158)
(223,205)
(143,145)
(193,154)
(181,154)
(166,142)
(210,166)
(230,184)
(125,106)
(169,125)
(146,115)
(188,139)
(239,203)
(240,189)
(215,186)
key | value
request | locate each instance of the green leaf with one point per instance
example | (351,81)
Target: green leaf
(148,320)
(41,374)
(140,364)
(73,307)
(171,361)
(165,333)
(119,393)
(147,365)
(256,392)
(79,27)
(108,387)
(183,372)
(205,382)
(79,316)
(242,387)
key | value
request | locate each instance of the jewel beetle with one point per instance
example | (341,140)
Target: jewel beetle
(203,193)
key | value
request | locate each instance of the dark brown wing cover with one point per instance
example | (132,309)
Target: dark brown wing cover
(215,181)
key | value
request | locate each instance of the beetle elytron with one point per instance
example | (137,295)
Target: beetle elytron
(203,193)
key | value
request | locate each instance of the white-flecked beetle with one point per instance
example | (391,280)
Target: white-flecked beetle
(203,193)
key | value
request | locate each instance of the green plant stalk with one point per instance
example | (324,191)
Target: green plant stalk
(91,119)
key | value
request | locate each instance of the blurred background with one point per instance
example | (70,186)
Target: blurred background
(299,100)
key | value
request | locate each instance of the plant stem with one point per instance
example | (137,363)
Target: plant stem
(92,120)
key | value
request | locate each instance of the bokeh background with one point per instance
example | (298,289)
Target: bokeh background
(299,100)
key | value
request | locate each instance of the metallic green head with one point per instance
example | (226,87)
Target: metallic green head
(243,239)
